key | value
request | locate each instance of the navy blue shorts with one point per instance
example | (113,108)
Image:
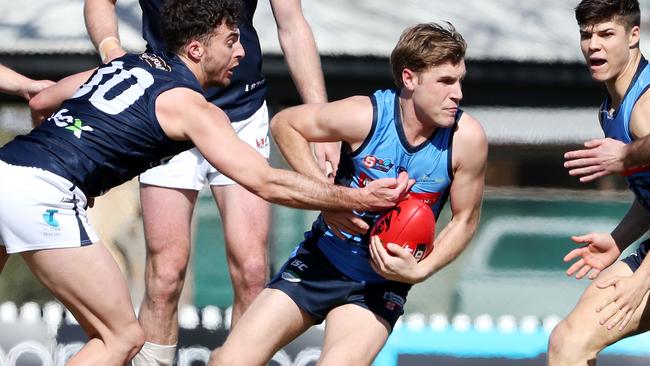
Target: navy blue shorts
(317,287)
(634,260)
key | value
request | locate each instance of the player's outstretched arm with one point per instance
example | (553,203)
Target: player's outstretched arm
(210,130)
(599,250)
(14,83)
(346,120)
(608,156)
(466,194)
(102,26)
(600,157)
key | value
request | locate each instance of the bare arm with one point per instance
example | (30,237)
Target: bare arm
(14,83)
(49,100)
(466,194)
(301,54)
(101,24)
(208,127)
(294,128)
(299,48)
(607,156)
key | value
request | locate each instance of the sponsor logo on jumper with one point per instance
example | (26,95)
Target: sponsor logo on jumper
(254,85)
(429,198)
(262,143)
(426,178)
(70,123)
(373,162)
(155,61)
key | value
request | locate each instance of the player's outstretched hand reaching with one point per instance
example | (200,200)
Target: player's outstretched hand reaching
(599,252)
(601,157)
(384,193)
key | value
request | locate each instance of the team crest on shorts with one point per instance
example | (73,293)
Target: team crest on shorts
(290,277)
(393,301)
(262,143)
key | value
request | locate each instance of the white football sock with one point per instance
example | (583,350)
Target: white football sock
(153,354)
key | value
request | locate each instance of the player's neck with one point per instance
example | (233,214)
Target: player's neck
(416,132)
(196,69)
(617,87)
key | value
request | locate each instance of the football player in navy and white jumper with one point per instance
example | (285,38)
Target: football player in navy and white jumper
(168,192)
(132,114)
(338,273)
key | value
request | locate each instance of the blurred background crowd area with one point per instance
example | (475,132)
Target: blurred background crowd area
(526,83)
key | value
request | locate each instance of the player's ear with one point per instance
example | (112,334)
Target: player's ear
(194,50)
(635,36)
(409,78)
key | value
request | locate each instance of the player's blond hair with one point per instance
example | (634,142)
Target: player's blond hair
(425,45)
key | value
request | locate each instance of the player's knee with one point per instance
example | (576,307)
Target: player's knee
(253,275)
(165,285)
(569,345)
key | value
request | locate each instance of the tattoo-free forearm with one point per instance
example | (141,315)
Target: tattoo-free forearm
(451,241)
(637,153)
(301,54)
(293,146)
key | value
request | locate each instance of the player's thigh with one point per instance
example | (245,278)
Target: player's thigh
(272,321)
(88,281)
(167,217)
(246,217)
(585,321)
(353,336)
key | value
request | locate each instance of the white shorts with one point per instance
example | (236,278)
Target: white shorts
(190,170)
(41,210)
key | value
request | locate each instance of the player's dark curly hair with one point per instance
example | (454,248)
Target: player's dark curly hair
(624,12)
(186,20)
(425,45)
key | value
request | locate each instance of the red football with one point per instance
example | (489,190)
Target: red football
(411,224)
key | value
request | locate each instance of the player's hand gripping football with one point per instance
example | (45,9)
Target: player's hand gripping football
(401,266)
(599,252)
(618,308)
